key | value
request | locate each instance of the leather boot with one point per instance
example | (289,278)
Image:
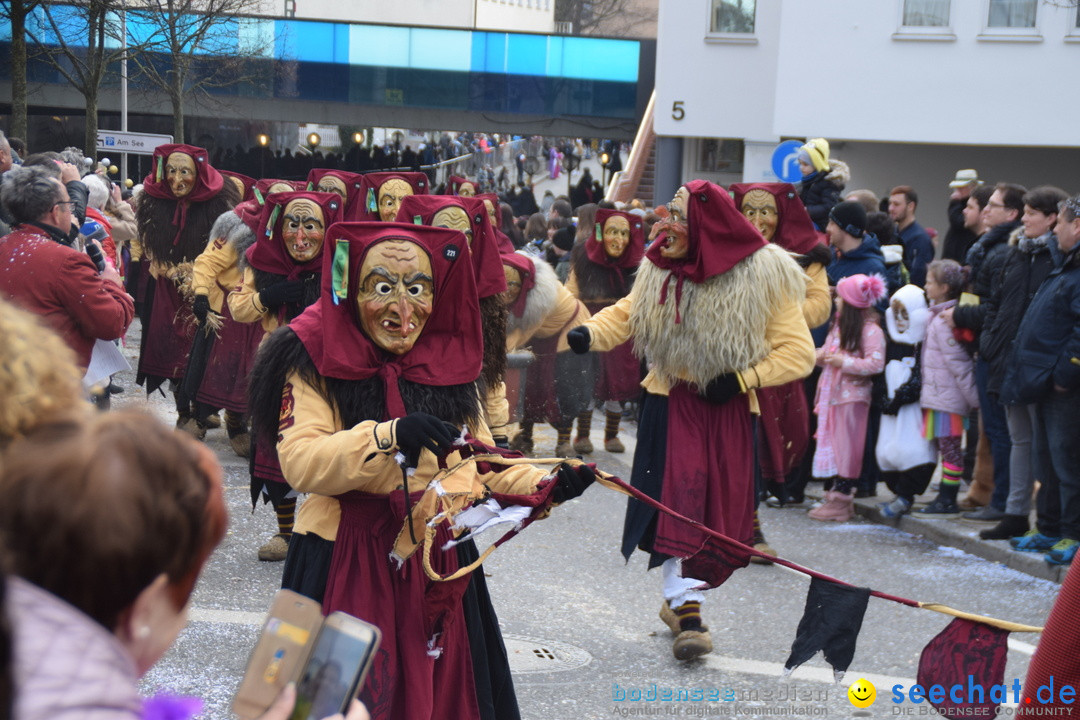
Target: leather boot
(838,507)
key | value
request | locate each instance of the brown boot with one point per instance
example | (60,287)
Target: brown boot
(239,438)
(690,644)
(191,426)
(614,445)
(583,445)
(275,549)
(670,618)
(762,547)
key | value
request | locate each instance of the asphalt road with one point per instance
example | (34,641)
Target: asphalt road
(581,624)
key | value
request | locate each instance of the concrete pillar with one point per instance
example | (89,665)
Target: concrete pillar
(669,168)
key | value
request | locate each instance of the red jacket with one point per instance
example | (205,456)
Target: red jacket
(62,286)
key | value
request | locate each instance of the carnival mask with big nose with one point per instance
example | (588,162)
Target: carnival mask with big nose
(759,207)
(676,243)
(455,218)
(513,285)
(466,189)
(180,173)
(390,194)
(303,230)
(491,213)
(616,236)
(397,290)
(333,184)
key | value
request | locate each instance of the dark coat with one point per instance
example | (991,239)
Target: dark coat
(986,258)
(820,191)
(866,259)
(958,239)
(1047,348)
(1021,276)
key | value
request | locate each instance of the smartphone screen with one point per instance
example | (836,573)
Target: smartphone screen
(336,667)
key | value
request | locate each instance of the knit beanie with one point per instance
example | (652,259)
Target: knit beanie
(817,149)
(564,238)
(850,216)
(860,290)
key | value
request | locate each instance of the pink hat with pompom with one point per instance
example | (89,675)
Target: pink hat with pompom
(862,291)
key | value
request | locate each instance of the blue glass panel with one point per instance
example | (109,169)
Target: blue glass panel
(554,56)
(437,49)
(601,59)
(495,56)
(526,54)
(307,41)
(379,45)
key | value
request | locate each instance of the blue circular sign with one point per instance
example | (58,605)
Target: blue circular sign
(785,161)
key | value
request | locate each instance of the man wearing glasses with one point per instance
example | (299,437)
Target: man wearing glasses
(43,275)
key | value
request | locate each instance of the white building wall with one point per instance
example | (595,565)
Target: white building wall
(441,13)
(533,16)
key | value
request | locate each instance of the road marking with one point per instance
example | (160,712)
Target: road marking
(231,617)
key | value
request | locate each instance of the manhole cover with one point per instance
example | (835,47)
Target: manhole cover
(529,655)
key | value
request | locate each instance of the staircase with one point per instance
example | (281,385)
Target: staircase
(637,179)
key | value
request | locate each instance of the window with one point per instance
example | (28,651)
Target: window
(732,16)
(719,155)
(926,13)
(1012,13)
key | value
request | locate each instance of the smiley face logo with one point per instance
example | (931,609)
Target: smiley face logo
(862,693)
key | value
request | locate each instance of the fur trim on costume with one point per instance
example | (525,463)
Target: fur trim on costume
(596,282)
(354,401)
(242,237)
(224,225)
(540,301)
(819,254)
(493,316)
(914,301)
(723,319)
(839,173)
(154,218)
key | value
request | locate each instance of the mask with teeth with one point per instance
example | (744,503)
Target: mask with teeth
(396,294)
(303,229)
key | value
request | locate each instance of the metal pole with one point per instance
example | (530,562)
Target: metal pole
(123,86)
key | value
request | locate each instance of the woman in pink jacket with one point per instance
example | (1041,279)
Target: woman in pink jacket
(948,389)
(853,352)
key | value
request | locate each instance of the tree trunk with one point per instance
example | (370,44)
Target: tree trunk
(176,96)
(19,123)
(91,122)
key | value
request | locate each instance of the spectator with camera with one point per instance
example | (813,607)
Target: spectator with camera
(39,272)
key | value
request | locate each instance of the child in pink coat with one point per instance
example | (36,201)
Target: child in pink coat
(853,352)
(948,389)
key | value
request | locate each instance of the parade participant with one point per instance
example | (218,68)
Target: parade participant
(267,186)
(558,384)
(383,191)
(181,199)
(854,350)
(457,185)
(282,265)
(468,215)
(784,423)
(244,184)
(602,273)
(348,185)
(719,313)
(365,378)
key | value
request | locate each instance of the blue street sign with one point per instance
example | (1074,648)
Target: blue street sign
(785,161)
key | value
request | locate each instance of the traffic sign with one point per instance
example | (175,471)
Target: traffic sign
(129,142)
(785,161)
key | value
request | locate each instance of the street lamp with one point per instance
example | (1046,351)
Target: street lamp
(313,141)
(358,141)
(263,140)
(605,159)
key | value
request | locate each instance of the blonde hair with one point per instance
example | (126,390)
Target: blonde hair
(38,376)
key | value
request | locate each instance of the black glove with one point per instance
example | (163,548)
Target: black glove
(579,339)
(571,482)
(722,388)
(288,291)
(200,308)
(418,430)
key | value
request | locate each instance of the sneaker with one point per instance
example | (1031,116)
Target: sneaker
(895,508)
(1063,552)
(690,644)
(985,514)
(940,507)
(614,445)
(583,445)
(1034,541)
(275,549)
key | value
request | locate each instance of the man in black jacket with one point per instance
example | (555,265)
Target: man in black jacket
(986,258)
(959,237)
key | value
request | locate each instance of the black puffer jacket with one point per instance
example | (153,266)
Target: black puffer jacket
(821,191)
(1025,268)
(986,258)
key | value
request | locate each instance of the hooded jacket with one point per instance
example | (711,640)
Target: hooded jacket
(820,191)
(866,259)
(948,372)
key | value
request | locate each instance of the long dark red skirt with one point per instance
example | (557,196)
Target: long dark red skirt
(168,336)
(224,383)
(785,429)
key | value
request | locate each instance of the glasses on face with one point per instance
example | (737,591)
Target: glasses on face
(69,203)
(996,206)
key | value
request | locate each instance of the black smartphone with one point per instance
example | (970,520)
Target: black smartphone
(336,667)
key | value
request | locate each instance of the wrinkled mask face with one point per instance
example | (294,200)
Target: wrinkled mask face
(181,174)
(397,291)
(900,316)
(303,229)
(390,195)
(239,185)
(513,285)
(676,244)
(466,189)
(280,187)
(455,218)
(759,207)
(333,184)
(616,236)
(491,213)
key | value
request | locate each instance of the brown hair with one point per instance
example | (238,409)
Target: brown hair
(907,191)
(536,227)
(95,510)
(950,274)
(586,219)
(851,323)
